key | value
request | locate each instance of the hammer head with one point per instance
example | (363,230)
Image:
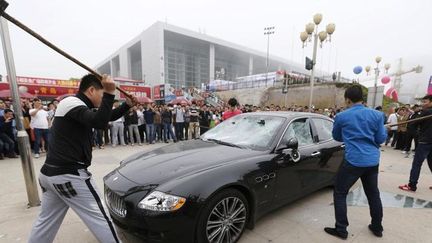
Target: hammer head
(3,6)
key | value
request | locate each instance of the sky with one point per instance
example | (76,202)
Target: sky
(92,30)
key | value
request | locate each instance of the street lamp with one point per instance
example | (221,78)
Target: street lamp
(387,66)
(268,31)
(311,30)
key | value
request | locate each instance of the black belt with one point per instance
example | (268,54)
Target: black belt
(54,170)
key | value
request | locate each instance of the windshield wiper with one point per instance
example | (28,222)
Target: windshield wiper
(225,143)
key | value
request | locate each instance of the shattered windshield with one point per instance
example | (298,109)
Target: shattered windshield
(246,131)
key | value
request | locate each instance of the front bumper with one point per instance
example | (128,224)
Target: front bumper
(178,226)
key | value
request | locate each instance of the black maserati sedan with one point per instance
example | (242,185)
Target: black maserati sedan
(212,188)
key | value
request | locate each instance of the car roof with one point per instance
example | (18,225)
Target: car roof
(287,114)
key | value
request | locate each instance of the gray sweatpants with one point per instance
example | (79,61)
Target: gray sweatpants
(71,191)
(118,130)
(133,128)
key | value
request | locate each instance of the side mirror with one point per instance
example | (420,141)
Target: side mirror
(290,149)
(292,143)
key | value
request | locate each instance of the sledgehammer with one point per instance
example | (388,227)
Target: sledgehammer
(4,5)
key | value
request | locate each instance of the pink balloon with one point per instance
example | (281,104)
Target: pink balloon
(392,93)
(385,80)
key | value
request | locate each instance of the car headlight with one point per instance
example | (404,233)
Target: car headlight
(159,201)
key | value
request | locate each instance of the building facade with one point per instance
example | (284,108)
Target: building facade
(166,54)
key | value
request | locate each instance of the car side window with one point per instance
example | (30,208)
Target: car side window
(301,130)
(324,128)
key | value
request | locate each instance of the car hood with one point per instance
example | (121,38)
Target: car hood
(180,159)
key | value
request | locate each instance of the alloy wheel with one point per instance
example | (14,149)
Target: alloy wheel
(226,221)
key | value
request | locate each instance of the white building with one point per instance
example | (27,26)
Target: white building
(166,54)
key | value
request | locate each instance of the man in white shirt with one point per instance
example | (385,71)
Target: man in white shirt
(393,119)
(179,119)
(117,128)
(39,124)
(141,122)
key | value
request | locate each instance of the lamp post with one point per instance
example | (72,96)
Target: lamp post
(311,31)
(268,31)
(22,137)
(378,59)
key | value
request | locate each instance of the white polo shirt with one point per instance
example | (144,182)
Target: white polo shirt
(40,120)
(393,119)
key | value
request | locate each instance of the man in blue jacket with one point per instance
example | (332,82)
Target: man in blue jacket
(362,130)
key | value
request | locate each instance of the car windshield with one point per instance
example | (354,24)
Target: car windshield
(246,131)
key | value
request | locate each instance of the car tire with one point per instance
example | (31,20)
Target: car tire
(233,223)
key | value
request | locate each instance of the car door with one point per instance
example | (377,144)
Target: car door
(294,179)
(331,151)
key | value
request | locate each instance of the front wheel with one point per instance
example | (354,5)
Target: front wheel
(224,218)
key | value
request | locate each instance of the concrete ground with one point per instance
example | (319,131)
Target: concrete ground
(301,221)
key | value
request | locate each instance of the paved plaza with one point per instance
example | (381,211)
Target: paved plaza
(407,216)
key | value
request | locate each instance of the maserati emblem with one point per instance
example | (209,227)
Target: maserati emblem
(115,178)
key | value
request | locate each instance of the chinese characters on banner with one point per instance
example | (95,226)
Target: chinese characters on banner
(47,82)
(137,91)
(43,87)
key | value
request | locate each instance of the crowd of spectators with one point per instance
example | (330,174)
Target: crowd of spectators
(401,137)
(166,123)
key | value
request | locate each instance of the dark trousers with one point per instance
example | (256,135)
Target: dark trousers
(401,140)
(8,145)
(126,134)
(142,131)
(2,147)
(158,130)
(391,134)
(168,131)
(186,125)
(423,151)
(179,127)
(346,177)
(150,128)
(204,128)
(106,136)
(39,134)
(99,137)
(410,136)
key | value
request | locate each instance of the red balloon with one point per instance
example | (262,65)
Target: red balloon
(392,93)
(385,80)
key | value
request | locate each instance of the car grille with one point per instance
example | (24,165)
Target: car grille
(115,203)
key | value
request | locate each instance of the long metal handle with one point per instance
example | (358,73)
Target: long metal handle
(409,121)
(60,51)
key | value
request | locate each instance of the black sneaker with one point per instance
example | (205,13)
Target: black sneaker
(332,231)
(377,233)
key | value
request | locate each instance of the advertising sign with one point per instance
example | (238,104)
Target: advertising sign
(137,91)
